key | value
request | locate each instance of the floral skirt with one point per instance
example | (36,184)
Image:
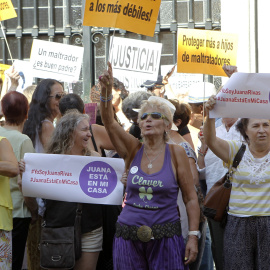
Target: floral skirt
(5,250)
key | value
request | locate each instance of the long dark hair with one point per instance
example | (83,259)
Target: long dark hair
(241,126)
(39,108)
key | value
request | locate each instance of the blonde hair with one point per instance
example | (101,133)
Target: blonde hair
(159,106)
(28,92)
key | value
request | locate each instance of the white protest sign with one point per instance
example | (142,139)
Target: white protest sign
(56,60)
(245,95)
(180,82)
(71,178)
(24,69)
(134,61)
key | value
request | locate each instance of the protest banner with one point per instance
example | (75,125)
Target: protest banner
(245,95)
(131,15)
(56,60)
(205,52)
(91,111)
(24,69)
(134,61)
(180,82)
(7,10)
(3,68)
(73,178)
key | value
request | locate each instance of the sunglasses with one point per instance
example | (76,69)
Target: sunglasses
(58,96)
(154,115)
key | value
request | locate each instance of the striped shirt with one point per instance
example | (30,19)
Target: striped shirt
(250,195)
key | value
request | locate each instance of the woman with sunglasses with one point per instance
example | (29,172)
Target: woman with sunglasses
(148,230)
(43,110)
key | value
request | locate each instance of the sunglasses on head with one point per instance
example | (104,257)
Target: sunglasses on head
(58,96)
(154,115)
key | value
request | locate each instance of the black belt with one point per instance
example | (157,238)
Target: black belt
(145,233)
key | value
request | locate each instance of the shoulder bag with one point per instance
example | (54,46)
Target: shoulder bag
(217,199)
(61,247)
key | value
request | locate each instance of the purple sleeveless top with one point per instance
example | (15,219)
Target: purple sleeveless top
(151,198)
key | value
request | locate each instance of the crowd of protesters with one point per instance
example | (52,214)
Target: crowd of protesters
(161,139)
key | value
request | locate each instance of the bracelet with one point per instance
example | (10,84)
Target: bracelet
(103,99)
(196,233)
(200,152)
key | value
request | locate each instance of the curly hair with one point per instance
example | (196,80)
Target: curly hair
(62,139)
(39,108)
(183,112)
(159,106)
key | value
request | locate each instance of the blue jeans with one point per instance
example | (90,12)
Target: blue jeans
(207,259)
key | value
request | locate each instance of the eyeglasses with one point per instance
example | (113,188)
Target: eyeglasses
(154,115)
(58,96)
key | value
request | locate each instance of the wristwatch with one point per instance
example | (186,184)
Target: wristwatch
(196,233)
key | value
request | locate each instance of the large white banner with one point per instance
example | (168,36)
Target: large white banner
(245,95)
(56,60)
(71,178)
(24,69)
(134,61)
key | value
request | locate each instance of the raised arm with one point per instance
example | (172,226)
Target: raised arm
(14,79)
(123,142)
(219,147)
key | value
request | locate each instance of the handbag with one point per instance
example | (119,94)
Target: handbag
(61,247)
(217,199)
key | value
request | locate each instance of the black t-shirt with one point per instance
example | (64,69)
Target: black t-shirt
(62,214)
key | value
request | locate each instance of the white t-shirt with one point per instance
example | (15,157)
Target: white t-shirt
(250,195)
(214,168)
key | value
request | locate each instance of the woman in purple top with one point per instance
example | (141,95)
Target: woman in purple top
(148,230)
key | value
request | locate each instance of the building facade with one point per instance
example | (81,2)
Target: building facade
(61,21)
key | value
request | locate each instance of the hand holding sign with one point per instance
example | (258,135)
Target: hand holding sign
(14,77)
(245,95)
(73,178)
(229,70)
(210,105)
